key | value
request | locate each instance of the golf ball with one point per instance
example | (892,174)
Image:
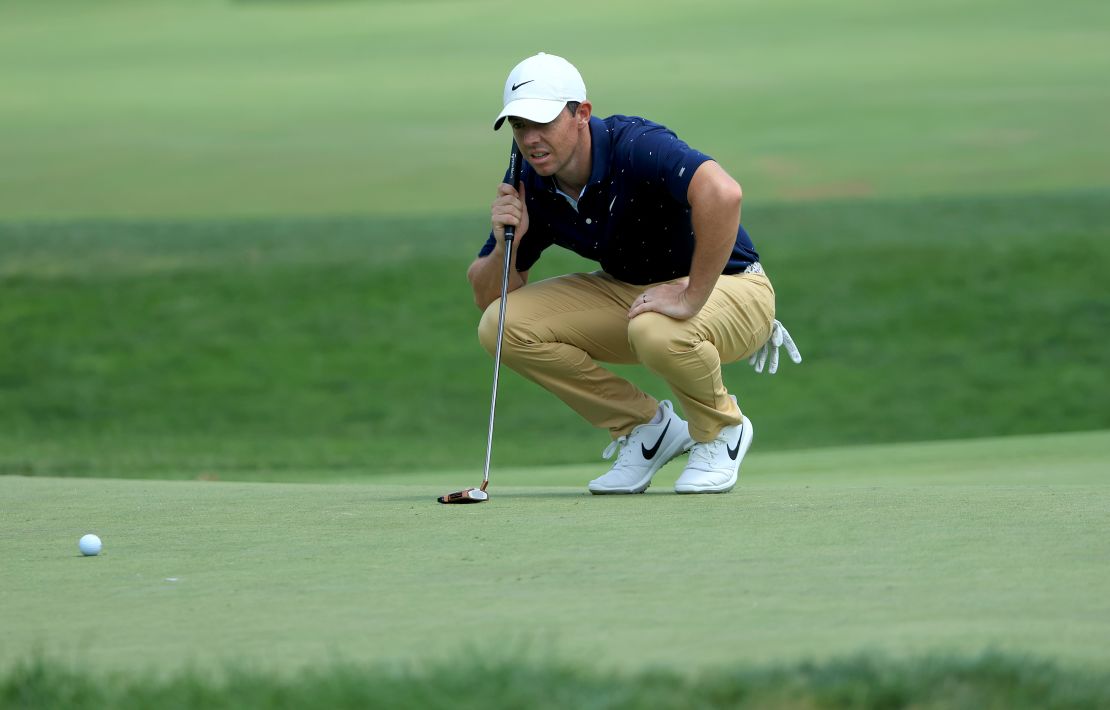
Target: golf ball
(89,545)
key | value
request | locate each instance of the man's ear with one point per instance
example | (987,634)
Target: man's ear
(585,110)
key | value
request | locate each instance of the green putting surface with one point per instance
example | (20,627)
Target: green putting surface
(903,549)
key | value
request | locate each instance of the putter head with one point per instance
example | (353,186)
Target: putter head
(470,495)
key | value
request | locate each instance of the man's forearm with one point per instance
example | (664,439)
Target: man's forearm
(715,214)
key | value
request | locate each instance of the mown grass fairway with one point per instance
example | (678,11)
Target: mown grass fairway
(900,550)
(209,107)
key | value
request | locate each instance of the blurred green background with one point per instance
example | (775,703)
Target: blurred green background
(233,236)
(208,108)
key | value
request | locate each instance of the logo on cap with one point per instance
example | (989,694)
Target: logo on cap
(552,82)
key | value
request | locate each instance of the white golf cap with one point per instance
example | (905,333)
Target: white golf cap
(539,87)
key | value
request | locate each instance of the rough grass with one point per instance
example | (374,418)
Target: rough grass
(237,348)
(985,682)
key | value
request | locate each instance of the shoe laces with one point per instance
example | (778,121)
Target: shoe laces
(621,444)
(707,453)
(617,444)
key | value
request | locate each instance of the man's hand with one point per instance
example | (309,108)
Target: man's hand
(486,272)
(670,299)
(779,337)
(509,208)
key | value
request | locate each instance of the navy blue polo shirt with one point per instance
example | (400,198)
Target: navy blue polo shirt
(633,217)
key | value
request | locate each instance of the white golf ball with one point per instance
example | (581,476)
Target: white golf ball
(89,545)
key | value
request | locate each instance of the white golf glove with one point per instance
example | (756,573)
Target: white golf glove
(779,338)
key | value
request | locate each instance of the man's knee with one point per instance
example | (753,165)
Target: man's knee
(487,326)
(518,338)
(654,338)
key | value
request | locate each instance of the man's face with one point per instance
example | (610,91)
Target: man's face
(547,146)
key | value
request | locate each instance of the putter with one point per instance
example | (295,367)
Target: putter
(479,495)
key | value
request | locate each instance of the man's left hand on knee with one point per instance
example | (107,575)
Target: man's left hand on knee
(670,299)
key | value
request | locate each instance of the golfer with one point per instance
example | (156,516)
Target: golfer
(680,289)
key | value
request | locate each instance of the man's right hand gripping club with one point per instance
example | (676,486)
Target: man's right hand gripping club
(485,275)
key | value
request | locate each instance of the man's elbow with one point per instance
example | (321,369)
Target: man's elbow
(721,198)
(730,193)
(715,189)
(481,298)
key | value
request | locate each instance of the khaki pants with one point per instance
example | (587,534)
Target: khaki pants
(557,330)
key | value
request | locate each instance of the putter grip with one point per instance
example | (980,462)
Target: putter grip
(515,161)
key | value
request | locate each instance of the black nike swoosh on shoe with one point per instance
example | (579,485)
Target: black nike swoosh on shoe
(517,86)
(733,453)
(649,454)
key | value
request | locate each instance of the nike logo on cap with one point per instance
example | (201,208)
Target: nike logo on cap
(649,454)
(517,86)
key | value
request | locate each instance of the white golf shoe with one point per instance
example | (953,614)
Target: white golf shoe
(643,452)
(715,465)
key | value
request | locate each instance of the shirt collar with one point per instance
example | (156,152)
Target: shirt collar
(600,140)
